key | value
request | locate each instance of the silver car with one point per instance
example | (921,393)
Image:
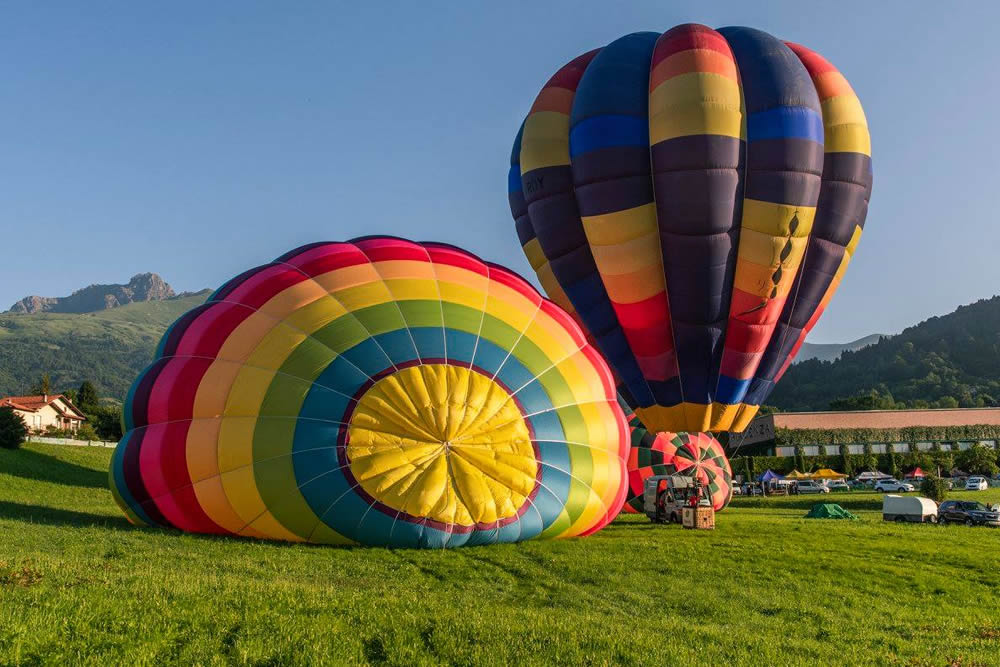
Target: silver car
(809,486)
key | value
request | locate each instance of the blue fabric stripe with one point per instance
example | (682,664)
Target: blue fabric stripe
(759,390)
(514,178)
(785,123)
(607,131)
(731,390)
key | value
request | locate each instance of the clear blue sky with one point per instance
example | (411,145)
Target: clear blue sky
(199,139)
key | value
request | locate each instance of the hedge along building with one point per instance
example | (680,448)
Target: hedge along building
(905,430)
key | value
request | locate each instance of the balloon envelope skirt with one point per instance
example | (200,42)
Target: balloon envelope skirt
(381,392)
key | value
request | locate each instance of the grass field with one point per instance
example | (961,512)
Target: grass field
(78,584)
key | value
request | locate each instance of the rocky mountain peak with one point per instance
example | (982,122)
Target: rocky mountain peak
(140,287)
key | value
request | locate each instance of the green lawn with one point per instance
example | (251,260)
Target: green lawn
(78,584)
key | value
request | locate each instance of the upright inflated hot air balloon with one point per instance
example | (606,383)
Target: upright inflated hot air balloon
(693,198)
(380,392)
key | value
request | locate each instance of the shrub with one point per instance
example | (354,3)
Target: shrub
(13,430)
(86,432)
(934,487)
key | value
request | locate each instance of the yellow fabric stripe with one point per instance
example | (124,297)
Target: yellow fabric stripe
(660,417)
(413,289)
(533,251)
(852,245)
(626,249)
(695,103)
(842,110)
(634,287)
(316,315)
(774,219)
(845,126)
(848,139)
(629,256)
(269,526)
(697,416)
(545,141)
(461,286)
(363,296)
(744,415)
(722,416)
(620,226)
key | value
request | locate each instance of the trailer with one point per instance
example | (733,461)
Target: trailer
(913,509)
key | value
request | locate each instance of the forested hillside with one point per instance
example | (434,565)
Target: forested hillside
(947,361)
(108,347)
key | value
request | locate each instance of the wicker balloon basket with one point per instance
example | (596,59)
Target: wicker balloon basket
(699,518)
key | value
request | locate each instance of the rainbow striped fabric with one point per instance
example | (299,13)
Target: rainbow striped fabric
(693,198)
(377,391)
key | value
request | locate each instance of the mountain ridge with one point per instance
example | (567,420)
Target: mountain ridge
(832,351)
(97,297)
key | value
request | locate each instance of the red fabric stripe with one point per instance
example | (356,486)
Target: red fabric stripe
(569,76)
(505,276)
(814,62)
(452,256)
(263,286)
(739,365)
(388,249)
(746,307)
(688,36)
(329,257)
(747,337)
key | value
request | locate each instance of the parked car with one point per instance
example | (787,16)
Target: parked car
(810,486)
(909,508)
(892,486)
(838,485)
(969,512)
(976,484)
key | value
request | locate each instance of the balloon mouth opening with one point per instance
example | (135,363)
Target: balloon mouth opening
(442,443)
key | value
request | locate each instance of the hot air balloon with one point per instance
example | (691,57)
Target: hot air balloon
(380,392)
(693,198)
(697,455)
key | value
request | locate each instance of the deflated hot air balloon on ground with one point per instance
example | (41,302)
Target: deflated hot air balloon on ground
(377,391)
(697,455)
(693,198)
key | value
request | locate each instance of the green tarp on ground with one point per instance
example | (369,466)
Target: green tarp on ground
(829,511)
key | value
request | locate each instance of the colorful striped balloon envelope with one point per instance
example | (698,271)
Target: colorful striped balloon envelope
(693,198)
(380,392)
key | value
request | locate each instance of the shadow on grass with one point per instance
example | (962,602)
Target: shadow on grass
(51,516)
(45,468)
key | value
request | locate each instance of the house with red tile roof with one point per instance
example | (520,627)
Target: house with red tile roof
(41,412)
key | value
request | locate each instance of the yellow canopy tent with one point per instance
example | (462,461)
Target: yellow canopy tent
(826,473)
(795,474)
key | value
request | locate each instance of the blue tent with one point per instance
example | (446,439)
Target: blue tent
(769,476)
